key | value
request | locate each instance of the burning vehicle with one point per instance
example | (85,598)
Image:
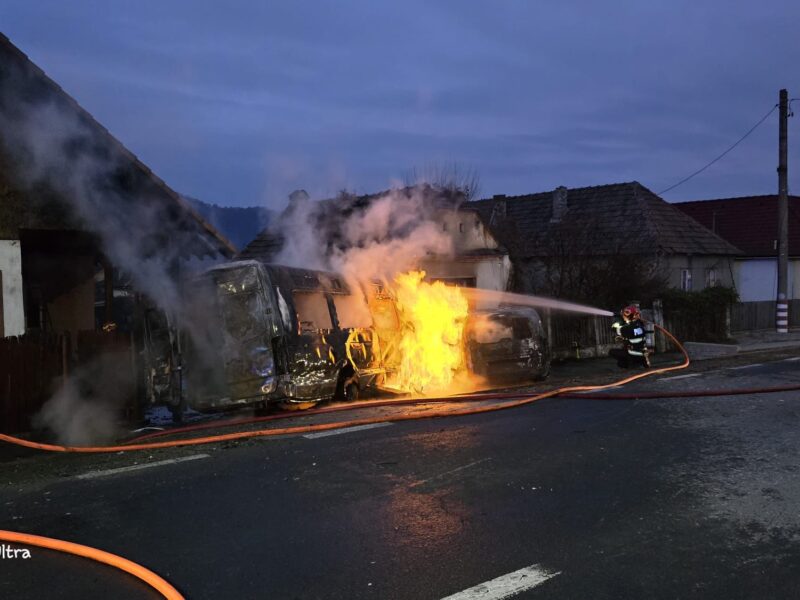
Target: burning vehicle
(507,343)
(256,333)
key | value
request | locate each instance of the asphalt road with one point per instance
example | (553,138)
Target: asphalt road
(675,498)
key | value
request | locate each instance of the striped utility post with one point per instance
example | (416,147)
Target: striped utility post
(782,304)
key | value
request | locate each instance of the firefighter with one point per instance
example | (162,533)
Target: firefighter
(630,331)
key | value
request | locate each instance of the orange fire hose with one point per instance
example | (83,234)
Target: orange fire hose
(159,584)
(473,397)
(351,423)
(163,586)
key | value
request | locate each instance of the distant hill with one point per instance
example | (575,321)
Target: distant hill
(239,225)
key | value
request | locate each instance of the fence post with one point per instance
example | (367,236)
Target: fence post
(548,324)
(658,319)
(597,345)
(64,359)
(728,309)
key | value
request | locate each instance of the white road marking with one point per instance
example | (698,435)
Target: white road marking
(745,367)
(158,463)
(456,470)
(320,434)
(680,377)
(613,387)
(791,359)
(506,586)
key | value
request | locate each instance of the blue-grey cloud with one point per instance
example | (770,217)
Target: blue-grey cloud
(241,102)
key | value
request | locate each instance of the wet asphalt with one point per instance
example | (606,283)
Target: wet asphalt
(681,498)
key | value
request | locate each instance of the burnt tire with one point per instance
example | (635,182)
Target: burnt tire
(544,371)
(177,413)
(352,392)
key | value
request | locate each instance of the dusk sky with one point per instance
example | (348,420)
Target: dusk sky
(239,103)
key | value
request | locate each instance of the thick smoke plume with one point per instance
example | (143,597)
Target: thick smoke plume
(371,240)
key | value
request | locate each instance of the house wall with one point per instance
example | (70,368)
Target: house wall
(74,311)
(529,273)
(13,305)
(699,267)
(469,235)
(757,279)
(489,273)
(466,230)
(494,273)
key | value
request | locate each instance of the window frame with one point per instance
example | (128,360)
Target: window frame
(686,280)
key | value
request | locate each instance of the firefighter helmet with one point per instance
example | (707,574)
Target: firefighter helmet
(629,313)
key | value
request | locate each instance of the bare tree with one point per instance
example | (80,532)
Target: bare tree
(449,176)
(580,263)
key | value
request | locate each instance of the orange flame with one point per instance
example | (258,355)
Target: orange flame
(432,318)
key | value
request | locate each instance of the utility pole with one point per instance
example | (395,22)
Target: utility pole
(782,304)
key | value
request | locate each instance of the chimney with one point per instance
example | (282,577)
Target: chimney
(298,196)
(499,209)
(559,204)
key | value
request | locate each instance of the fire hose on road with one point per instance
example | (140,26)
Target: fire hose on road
(515,400)
(225,437)
(123,564)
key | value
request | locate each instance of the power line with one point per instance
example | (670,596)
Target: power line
(741,139)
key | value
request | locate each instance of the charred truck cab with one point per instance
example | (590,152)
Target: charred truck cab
(263,333)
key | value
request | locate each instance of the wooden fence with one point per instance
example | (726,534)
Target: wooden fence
(33,366)
(573,336)
(30,366)
(759,316)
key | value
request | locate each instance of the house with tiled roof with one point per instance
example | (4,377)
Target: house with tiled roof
(546,230)
(751,224)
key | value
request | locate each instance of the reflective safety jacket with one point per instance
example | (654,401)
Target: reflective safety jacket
(633,335)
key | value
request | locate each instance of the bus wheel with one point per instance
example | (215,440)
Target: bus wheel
(177,413)
(351,392)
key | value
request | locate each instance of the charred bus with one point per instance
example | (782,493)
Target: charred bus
(256,333)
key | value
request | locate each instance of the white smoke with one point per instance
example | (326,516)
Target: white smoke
(85,409)
(302,246)
(389,235)
(54,151)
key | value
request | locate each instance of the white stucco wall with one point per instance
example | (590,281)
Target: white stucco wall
(493,273)
(466,230)
(699,267)
(13,304)
(757,279)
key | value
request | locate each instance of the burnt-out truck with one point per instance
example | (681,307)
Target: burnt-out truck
(507,343)
(256,333)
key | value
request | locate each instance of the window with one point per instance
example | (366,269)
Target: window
(469,282)
(686,280)
(487,329)
(313,313)
(352,311)
(711,277)
(461,228)
(444,226)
